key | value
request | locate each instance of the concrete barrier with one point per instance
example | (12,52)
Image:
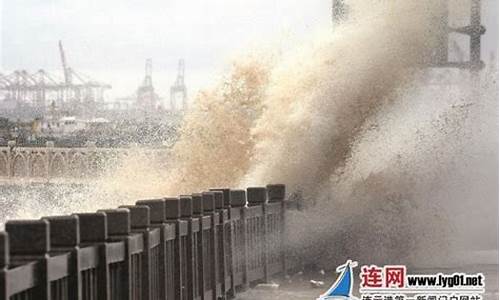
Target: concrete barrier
(202,246)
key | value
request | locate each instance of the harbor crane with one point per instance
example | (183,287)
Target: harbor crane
(31,94)
(147,99)
(179,89)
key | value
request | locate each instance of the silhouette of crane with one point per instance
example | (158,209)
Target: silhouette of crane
(147,99)
(66,69)
(33,92)
(179,88)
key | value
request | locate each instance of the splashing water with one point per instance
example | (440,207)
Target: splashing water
(348,123)
(308,106)
(351,123)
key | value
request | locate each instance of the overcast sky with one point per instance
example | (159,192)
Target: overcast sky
(110,39)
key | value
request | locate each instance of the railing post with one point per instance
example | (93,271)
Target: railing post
(140,222)
(238,201)
(172,215)
(94,232)
(225,194)
(256,196)
(65,237)
(186,208)
(208,210)
(197,202)
(222,216)
(118,221)
(4,265)
(157,215)
(30,241)
(276,193)
(118,227)
(228,236)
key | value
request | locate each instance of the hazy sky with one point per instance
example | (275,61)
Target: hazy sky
(110,39)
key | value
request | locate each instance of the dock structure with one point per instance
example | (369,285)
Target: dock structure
(40,93)
(65,164)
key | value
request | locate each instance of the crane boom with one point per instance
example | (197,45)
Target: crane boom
(66,70)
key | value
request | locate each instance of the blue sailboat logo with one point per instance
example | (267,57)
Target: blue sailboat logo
(342,288)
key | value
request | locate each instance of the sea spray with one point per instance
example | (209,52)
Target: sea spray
(319,109)
(304,117)
(348,121)
(215,142)
(315,112)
